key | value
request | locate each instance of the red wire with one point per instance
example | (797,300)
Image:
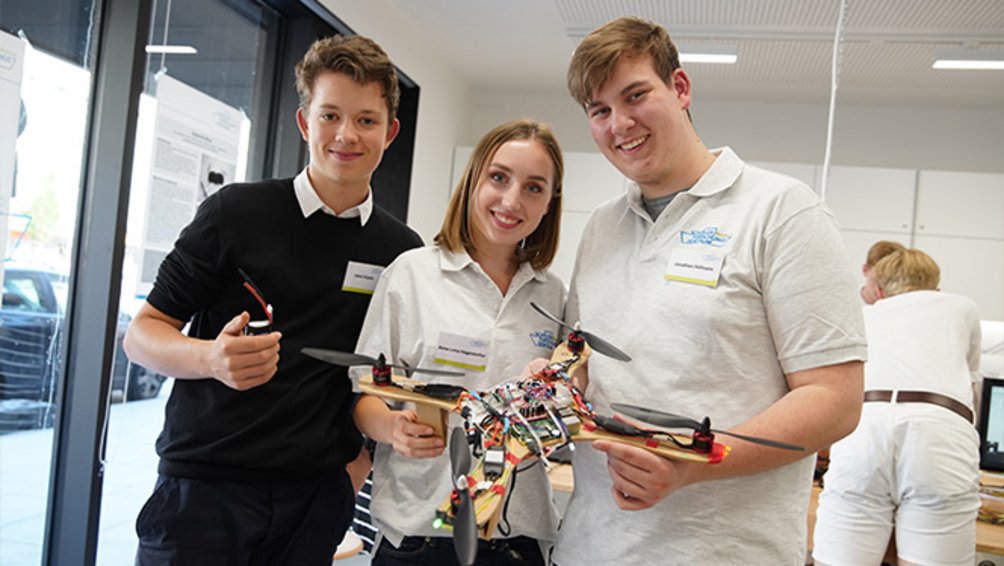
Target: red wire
(264,307)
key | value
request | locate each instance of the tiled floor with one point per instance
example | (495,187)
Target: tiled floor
(130,473)
(24,460)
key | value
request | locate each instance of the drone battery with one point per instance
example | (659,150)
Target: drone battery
(256,327)
(494,460)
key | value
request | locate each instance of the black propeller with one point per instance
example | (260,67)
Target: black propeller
(348,359)
(669,420)
(594,341)
(465,525)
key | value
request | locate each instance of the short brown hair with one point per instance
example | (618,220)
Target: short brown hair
(907,270)
(880,249)
(356,56)
(595,58)
(540,246)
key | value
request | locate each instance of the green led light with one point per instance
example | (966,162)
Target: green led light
(437,523)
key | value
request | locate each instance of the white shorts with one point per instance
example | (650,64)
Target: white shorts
(912,465)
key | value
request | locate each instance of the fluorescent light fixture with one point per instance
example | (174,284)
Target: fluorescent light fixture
(707,53)
(172,49)
(973,59)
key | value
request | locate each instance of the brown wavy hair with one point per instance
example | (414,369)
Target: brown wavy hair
(356,56)
(596,56)
(539,247)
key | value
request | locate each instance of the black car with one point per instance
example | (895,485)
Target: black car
(31,327)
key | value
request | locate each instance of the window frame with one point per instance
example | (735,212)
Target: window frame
(118,63)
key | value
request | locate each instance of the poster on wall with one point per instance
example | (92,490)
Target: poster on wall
(11,125)
(197,142)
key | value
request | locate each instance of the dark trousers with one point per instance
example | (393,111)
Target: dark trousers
(517,551)
(244,523)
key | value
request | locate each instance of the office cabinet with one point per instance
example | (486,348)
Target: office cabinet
(972,267)
(872,199)
(960,204)
(590,180)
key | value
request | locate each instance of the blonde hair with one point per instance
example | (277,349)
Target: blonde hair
(596,56)
(358,57)
(880,249)
(539,247)
(907,270)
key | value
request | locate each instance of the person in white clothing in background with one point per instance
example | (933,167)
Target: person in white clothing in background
(913,461)
(880,249)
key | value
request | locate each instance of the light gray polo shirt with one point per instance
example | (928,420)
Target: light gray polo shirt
(783,300)
(424,294)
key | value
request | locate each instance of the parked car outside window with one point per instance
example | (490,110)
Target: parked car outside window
(31,328)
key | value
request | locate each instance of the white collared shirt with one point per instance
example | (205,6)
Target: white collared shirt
(310,202)
(924,341)
(423,294)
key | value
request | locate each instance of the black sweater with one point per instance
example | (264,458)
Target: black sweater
(299,423)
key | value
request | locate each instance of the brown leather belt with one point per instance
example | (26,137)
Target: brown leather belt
(921,397)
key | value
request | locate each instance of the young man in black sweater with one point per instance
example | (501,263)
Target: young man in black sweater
(255,445)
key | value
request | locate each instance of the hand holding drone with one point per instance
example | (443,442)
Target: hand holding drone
(526,419)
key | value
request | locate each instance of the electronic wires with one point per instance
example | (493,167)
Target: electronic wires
(256,293)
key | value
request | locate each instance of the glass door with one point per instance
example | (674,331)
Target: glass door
(45,85)
(201,125)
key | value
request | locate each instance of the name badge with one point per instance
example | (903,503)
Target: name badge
(462,351)
(695,266)
(361,278)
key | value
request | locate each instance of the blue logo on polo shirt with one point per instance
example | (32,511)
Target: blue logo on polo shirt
(543,339)
(709,236)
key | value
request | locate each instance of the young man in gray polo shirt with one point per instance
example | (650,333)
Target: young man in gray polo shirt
(736,302)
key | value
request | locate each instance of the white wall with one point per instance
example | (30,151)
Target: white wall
(565,117)
(444,103)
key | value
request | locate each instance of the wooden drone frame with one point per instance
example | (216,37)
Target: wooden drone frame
(488,502)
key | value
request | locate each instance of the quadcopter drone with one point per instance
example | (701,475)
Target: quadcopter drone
(526,419)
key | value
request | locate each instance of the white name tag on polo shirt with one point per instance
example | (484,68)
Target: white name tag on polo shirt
(462,351)
(694,266)
(361,278)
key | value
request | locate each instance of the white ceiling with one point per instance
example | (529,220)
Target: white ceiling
(785,46)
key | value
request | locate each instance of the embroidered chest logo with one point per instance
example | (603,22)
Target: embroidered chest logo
(543,339)
(709,236)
